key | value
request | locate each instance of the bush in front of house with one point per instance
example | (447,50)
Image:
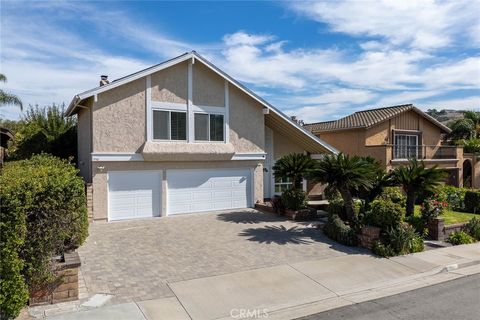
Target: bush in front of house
(49,195)
(399,240)
(384,214)
(473,228)
(460,237)
(294,199)
(472,201)
(431,208)
(13,290)
(337,230)
(395,195)
(454,196)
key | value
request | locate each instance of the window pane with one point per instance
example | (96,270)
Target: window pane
(160,125)
(216,127)
(178,126)
(201,127)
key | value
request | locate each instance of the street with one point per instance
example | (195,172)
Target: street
(452,300)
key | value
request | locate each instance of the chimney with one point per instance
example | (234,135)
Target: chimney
(104,80)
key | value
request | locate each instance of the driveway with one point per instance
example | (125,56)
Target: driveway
(136,260)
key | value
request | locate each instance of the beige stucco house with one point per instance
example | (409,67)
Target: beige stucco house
(181,137)
(392,135)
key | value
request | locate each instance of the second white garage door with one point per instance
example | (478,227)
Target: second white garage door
(195,190)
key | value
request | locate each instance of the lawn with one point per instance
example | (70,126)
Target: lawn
(452,217)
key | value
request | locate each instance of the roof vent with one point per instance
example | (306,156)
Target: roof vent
(104,80)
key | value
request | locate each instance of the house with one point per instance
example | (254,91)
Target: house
(181,137)
(393,135)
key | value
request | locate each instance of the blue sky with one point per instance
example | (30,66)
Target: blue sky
(317,60)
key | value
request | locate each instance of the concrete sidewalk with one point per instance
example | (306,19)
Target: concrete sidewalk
(300,289)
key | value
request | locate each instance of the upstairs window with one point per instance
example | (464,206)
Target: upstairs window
(169,125)
(405,146)
(209,127)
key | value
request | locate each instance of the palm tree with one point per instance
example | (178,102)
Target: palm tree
(462,129)
(347,175)
(475,117)
(294,166)
(8,98)
(415,179)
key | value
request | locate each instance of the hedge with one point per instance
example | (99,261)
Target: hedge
(46,195)
(337,230)
(472,201)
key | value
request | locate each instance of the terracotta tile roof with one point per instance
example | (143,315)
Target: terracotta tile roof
(368,118)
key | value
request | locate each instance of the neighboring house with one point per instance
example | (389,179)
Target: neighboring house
(393,135)
(5,136)
(181,137)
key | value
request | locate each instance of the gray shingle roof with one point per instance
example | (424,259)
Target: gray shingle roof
(368,118)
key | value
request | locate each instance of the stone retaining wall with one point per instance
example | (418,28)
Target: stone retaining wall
(437,230)
(368,236)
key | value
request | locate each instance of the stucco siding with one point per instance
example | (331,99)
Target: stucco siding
(407,121)
(208,87)
(84,143)
(247,133)
(170,85)
(119,118)
(283,145)
(431,134)
(378,135)
(347,141)
(100,185)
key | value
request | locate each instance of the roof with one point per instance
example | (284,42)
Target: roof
(274,113)
(369,118)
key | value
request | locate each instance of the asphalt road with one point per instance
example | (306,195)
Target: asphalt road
(453,300)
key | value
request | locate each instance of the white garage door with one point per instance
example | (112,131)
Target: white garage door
(208,189)
(134,194)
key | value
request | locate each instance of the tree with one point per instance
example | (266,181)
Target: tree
(294,166)
(416,179)
(475,117)
(381,180)
(8,98)
(346,174)
(462,129)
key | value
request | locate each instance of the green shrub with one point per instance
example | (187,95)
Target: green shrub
(383,250)
(460,237)
(13,290)
(403,239)
(49,194)
(431,208)
(394,194)
(335,207)
(454,196)
(337,230)
(384,214)
(294,199)
(472,201)
(473,228)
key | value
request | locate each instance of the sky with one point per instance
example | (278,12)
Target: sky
(318,60)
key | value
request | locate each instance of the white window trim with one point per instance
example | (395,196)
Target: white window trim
(406,135)
(169,126)
(208,127)
(279,183)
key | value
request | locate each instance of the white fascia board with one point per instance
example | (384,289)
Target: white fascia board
(249,156)
(116,156)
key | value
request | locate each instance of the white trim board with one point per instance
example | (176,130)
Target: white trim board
(249,156)
(116,156)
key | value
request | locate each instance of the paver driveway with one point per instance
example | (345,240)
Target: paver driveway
(135,260)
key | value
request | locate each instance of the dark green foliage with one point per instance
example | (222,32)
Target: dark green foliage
(393,194)
(473,228)
(379,248)
(399,240)
(13,291)
(337,230)
(49,195)
(462,129)
(471,145)
(416,179)
(348,175)
(294,199)
(384,214)
(44,130)
(454,196)
(336,207)
(460,237)
(294,166)
(472,201)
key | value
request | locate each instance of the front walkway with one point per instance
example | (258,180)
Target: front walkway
(135,260)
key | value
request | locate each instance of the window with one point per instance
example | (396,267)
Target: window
(209,127)
(406,146)
(169,125)
(282,184)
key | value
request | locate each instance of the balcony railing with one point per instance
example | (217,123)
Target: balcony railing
(424,152)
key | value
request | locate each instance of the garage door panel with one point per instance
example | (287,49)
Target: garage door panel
(195,190)
(134,194)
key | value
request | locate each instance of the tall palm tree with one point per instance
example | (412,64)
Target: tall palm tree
(294,166)
(347,175)
(8,98)
(415,179)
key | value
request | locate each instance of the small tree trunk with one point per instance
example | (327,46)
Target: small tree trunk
(348,203)
(294,183)
(411,197)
